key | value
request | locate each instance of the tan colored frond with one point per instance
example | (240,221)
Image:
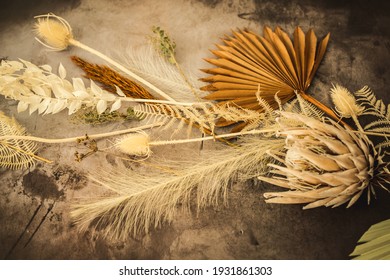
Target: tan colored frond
(109,78)
(200,116)
(15,154)
(273,61)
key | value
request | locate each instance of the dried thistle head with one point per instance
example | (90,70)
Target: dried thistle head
(345,103)
(53,32)
(324,165)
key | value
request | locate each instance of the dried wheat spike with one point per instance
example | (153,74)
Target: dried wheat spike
(109,78)
(273,61)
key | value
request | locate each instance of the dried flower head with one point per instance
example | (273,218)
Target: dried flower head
(345,103)
(53,32)
(324,164)
(134,144)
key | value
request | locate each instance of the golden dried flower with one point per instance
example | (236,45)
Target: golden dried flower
(323,164)
(53,32)
(345,103)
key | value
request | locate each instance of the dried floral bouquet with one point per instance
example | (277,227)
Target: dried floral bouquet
(259,86)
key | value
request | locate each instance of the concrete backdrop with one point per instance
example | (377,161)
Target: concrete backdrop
(34,204)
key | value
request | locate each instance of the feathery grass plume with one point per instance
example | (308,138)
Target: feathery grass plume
(324,165)
(167,48)
(345,103)
(110,79)
(55,33)
(147,63)
(16,153)
(135,144)
(374,243)
(143,200)
(279,65)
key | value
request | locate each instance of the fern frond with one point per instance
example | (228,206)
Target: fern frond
(375,107)
(141,201)
(375,243)
(15,154)
(200,115)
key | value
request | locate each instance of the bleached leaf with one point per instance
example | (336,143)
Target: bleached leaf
(22,106)
(60,92)
(78,84)
(43,106)
(59,106)
(62,71)
(97,91)
(81,94)
(117,104)
(101,106)
(39,91)
(119,92)
(46,67)
(74,106)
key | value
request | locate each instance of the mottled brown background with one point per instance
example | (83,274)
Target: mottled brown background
(34,204)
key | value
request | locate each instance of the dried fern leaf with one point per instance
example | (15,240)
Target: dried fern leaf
(109,78)
(272,61)
(200,115)
(375,243)
(141,201)
(15,154)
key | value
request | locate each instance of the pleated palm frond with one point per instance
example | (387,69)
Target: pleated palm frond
(274,62)
(375,243)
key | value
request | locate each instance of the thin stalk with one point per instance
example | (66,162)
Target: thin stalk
(73,139)
(120,67)
(183,141)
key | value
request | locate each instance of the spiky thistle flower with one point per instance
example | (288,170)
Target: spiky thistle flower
(324,164)
(345,103)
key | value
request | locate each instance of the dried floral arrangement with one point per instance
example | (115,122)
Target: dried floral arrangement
(317,155)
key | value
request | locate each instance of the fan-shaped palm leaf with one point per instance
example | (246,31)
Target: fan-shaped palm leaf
(375,243)
(273,61)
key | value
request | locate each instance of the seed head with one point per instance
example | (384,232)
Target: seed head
(134,144)
(53,32)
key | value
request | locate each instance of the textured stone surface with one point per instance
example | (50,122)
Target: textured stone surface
(34,204)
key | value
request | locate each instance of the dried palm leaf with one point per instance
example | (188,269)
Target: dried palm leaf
(272,61)
(375,243)
(110,79)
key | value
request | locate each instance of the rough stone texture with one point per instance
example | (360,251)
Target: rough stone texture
(35,204)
